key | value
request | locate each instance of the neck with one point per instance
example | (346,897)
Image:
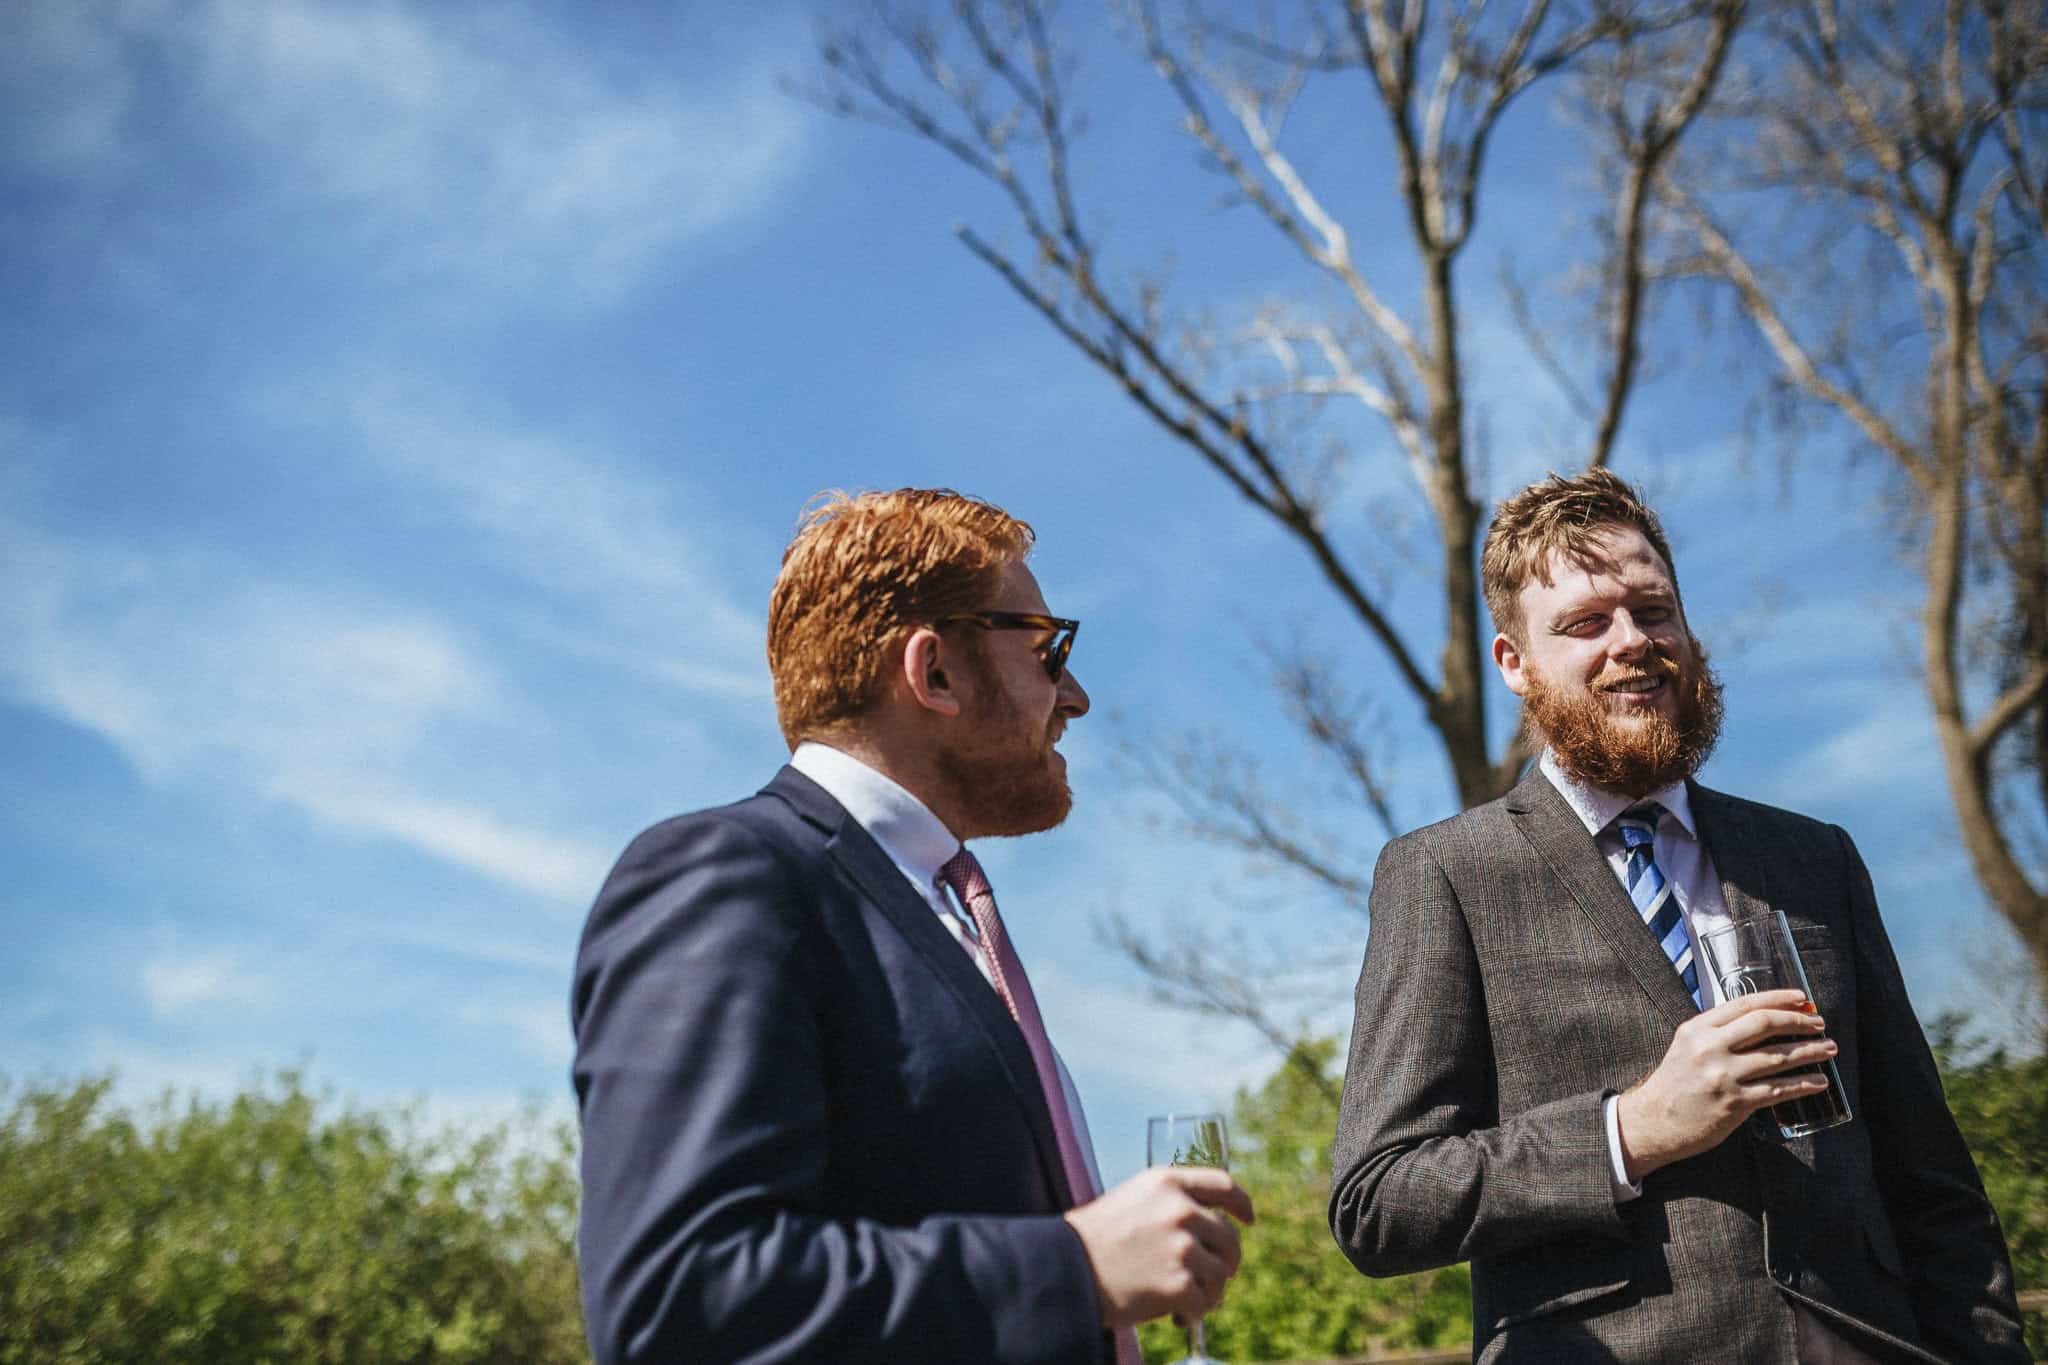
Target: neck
(908,765)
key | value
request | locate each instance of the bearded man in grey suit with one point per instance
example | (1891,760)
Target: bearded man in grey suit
(1542,1081)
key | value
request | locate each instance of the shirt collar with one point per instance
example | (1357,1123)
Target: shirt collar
(1597,808)
(916,840)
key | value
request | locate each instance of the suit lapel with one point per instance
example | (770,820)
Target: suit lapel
(1735,848)
(882,884)
(1559,837)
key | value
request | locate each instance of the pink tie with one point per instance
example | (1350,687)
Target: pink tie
(963,873)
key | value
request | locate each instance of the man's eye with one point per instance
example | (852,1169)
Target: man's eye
(1585,625)
(1654,615)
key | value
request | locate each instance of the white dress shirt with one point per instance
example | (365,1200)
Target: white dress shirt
(1683,860)
(919,843)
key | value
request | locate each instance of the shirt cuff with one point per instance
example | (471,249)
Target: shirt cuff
(1616,1169)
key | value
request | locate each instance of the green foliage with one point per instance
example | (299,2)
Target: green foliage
(2001,1104)
(279,1227)
(272,1228)
(1296,1297)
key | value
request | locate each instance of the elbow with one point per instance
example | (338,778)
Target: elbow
(637,1317)
(1374,1235)
(620,1340)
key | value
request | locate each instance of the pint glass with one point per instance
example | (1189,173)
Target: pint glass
(1758,954)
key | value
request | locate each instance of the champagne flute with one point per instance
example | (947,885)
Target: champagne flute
(1189,1140)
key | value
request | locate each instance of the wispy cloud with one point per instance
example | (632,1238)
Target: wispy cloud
(578,524)
(567,516)
(195,664)
(184,657)
(564,871)
(144,1071)
(1115,1034)
(1882,744)
(177,982)
(448,144)
(539,1027)
(550,956)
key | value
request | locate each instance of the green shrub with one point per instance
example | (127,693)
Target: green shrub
(2001,1103)
(277,1227)
(281,1226)
(1296,1297)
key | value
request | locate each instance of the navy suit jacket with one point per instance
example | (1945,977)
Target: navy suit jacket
(811,1132)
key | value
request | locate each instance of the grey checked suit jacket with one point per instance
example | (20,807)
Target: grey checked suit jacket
(1509,987)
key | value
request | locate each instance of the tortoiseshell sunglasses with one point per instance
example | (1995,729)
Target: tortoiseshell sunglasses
(1054,654)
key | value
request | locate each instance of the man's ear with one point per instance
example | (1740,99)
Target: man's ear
(928,674)
(1507,657)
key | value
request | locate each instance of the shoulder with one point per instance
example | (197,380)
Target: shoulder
(1467,834)
(1716,809)
(762,824)
(727,891)
(1438,863)
(754,855)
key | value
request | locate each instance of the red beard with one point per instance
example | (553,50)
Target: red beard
(1596,746)
(1006,779)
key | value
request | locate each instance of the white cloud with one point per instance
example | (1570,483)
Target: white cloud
(739,684)
(551,957)
(455,144)
(538,1027)
(175,983)
(562,870)
(571,520)
(144,1071)
(1876,751)
(183,658)
(565,514)
(528,1122)
(1114,1033)
(191,664)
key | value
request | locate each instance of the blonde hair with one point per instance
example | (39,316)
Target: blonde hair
(1558,516)
(861,569)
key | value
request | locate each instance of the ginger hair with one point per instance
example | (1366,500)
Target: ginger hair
(863,569)
(1558,516)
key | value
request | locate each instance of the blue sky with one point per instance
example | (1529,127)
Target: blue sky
(403,410)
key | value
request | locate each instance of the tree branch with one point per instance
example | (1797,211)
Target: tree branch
(1647,152)
(2008,709)
(1763,312)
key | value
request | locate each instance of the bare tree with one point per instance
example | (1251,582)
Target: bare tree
(1911,304)
(1266,400)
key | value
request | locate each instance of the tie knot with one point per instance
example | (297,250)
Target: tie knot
(963,873)
(1638,824)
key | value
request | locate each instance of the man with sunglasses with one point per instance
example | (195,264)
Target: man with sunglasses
(822,1119)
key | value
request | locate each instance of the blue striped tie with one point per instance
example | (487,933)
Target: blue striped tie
(1652,895)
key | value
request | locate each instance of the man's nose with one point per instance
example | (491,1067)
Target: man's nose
(1073,698)
(1627,640)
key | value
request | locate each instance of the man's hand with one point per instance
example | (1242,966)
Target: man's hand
(1160,1243)
(1722,1066)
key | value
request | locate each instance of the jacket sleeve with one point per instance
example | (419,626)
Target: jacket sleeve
(704,1233)
(1425,1172)
(1959,1275)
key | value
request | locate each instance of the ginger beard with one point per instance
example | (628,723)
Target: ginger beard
(1633,754)
(1006,778)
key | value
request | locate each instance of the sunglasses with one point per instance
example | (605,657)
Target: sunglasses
(1053,654)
